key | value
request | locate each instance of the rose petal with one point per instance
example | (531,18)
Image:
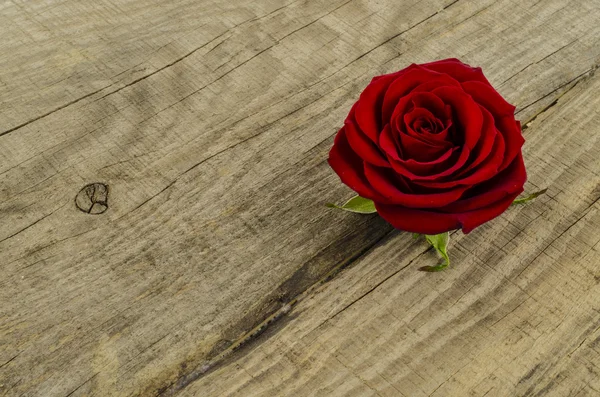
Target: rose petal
(389,144)
(457,160)
(349,167)
(417,220)
(470,119)
(483,163)
(511,130)
(362,145)
(368,106)
(471,219)
(488,97)
(413,169)
(433,222)
(417,148)
(405,83)
(417,114)
(384,181)
(433,103)
(486,170)
(458,70)
(467,113)
(486,142)
(425,100)
(507,183)
(442,80)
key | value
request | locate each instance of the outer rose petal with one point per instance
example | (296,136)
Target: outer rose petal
(416,220)
(349,168)
(471,219)
(368,106)
(486,143)
(488,97)
(457,69)
(433,222)
(362,145)
(468,213)
(511,130)
(507,183)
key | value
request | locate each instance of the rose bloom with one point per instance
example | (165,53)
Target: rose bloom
(434,146)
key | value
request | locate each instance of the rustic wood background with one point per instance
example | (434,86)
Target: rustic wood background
(210,265)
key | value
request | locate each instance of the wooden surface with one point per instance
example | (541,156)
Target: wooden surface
(216,270)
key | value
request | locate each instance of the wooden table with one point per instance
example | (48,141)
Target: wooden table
(204,262)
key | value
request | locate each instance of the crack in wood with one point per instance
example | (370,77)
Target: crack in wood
(537,62)
(11,359)
(576,80)
(82,384)
(584,213)
(374,287)
(284,309)
(176,61)
(52,111)
(32,224)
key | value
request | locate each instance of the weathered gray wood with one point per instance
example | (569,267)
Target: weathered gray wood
(517,314)
(210,122)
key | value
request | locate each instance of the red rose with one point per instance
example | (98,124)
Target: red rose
(434,146)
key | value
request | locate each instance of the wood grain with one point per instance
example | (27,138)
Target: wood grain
(210,123)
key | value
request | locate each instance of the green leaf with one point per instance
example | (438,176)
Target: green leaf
(416,236)
(440,243)
(356,204)
(529,198)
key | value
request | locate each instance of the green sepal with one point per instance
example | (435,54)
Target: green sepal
(357,204)
(529,198)
(440,243)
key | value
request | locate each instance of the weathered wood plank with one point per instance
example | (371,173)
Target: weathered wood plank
(517,314)
(210,123)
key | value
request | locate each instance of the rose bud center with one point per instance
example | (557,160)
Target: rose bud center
(426,134)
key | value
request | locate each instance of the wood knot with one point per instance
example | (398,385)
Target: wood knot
(93,198)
